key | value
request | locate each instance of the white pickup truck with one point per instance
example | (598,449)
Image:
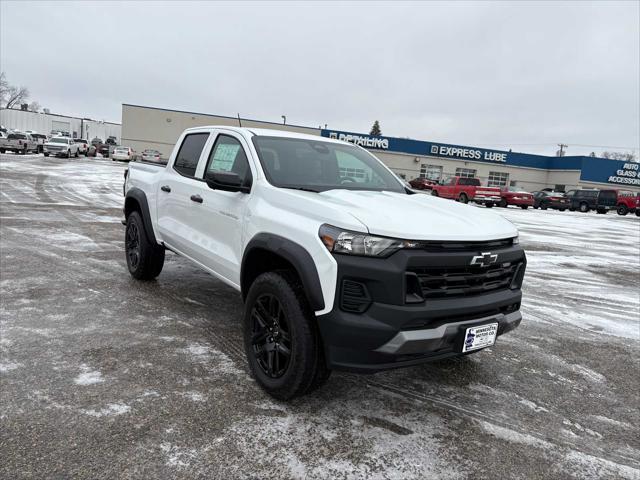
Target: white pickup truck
(339,264)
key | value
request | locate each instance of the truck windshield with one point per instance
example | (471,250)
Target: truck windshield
(320,166)
(59,140)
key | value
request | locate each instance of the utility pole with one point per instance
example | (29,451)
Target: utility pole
(562,147)
(284,119)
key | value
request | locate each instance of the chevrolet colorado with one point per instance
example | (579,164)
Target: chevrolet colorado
(340,265)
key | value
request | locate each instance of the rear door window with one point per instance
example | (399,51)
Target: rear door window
(189,154)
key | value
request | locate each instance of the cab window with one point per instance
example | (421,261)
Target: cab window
(189,154)
(228,155)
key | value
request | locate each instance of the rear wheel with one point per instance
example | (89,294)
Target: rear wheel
(622,209)
(637,212)
(144,259)
(46,154)
(434,193)
(543,207)
(601,211)
(524,207)
(281,340)
(77,154)
(584,208)
(562,209)
(488,205)
(503,203)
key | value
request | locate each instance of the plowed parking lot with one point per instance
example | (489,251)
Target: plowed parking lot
(105,377)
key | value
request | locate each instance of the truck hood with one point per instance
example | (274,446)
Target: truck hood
(413,217)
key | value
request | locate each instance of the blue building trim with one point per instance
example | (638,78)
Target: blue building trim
(592,169)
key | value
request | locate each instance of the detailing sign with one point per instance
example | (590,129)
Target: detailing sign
(361,140)
(629,174)
(468,153)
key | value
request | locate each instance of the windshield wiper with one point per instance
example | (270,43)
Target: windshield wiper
(304,189)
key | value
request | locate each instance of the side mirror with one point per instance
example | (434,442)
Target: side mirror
(227,181)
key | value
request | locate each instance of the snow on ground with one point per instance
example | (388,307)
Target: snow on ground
(103,376)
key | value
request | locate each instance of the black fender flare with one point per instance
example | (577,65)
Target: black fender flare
(140,197)
(296,255)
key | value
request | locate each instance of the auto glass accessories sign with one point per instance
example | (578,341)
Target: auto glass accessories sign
(468,153)
(629,174)
(361,140)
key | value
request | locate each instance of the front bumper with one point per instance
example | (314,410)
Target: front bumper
(397,329)
(520,202)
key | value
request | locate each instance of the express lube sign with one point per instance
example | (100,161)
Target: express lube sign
(468,153)
(629,174)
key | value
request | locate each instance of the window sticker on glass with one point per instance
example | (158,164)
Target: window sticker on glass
(224,157)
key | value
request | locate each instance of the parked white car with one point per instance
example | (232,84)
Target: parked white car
(61,147)
(18,142)
(83,145)
(150,155)
(125,154)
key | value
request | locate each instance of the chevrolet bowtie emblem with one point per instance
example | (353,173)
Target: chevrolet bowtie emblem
(484,259)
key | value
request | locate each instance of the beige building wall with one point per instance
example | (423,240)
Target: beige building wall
(157,128)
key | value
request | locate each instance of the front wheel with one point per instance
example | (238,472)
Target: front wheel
(601,211)
(144,259)
(77,154)
(46,154)
(489,205)
(543,207)
(463,198)
(524,207)
(622,210)
(434,193)
(584,208)
(283,347)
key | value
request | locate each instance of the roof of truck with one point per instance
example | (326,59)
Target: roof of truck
(267,132)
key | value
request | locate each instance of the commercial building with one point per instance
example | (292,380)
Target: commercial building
(158,128)
(47,122)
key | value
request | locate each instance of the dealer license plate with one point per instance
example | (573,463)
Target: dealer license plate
(480,337)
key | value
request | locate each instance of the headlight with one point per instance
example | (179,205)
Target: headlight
(516,240)
(347,242)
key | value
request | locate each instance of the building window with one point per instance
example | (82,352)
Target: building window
(431,172)
(498,179)
(559,188)
(465,172)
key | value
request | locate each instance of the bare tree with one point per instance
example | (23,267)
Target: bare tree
(34,107)
(10,95)
(626,156)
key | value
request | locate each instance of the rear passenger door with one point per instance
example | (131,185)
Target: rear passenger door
(221,235)
(177,212)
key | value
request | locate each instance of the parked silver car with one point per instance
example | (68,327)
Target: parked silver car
(18,142)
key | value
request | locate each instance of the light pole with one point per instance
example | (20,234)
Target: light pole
(284,119)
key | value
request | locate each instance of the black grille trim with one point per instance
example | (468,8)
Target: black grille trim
(464,281)
(355,297)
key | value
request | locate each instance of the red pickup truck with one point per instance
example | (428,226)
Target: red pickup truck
(466,190)
(626,202)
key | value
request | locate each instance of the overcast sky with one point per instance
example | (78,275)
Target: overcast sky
(521,76)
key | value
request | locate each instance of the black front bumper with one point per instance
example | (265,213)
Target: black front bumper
(396,327)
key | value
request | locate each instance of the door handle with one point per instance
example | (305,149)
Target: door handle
(165,188)
(196,198)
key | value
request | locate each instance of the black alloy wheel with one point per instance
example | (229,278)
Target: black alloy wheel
(132,244)
(271,336)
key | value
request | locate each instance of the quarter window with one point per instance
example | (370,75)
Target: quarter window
(465,172)
(498,179)
(189,154)
(229,156)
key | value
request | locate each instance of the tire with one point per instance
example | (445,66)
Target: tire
(278,319)
(463,198)
(543,207)
(77,154)
(571,209)
(638,212)
(622,210)
(1,150)
(535,207)
(524,207)
(503,203)
(68,153)
(434,193)
(46,154)
(584,208)
(601,211)
(144,259)
(488,205)
(562,209)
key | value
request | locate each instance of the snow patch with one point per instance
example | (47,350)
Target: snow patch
(88,377)
(110,410)
(8,366)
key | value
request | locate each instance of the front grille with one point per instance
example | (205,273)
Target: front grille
(448,282)
(452,246)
